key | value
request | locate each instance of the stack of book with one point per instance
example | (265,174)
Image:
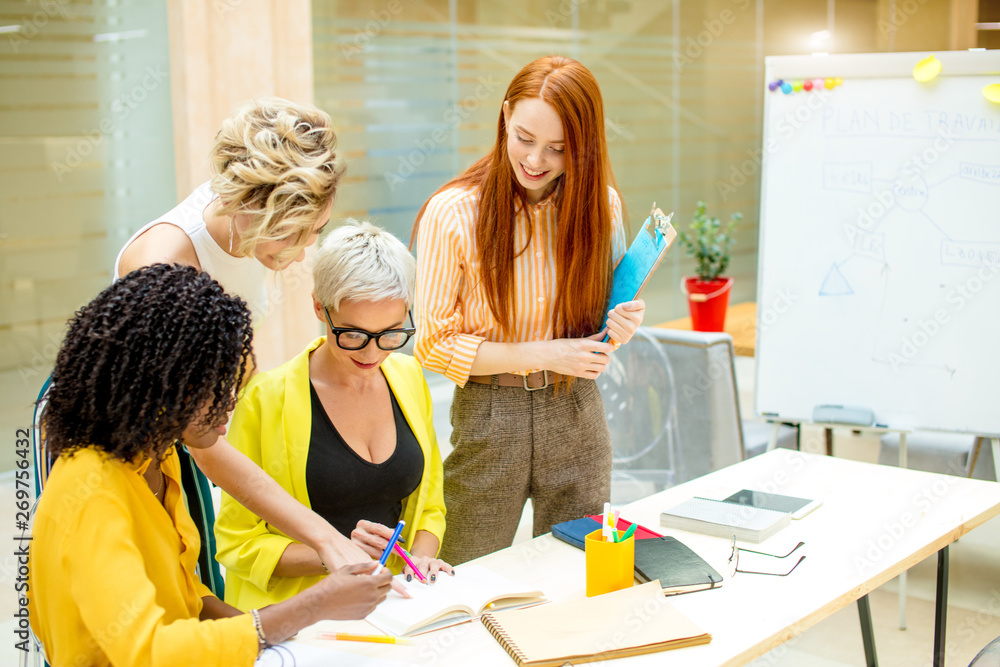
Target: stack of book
(721,519)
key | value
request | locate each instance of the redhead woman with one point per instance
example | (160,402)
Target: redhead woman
(276,173)
(154,360)
(515,258)
(345,427)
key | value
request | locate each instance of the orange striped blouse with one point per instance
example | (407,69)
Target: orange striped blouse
(453,314)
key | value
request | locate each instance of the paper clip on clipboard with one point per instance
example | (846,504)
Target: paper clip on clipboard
(642,258)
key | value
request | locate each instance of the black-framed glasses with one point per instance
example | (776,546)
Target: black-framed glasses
(356,339)
(734,560)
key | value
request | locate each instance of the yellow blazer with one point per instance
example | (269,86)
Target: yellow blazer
(272,425)
(112,575)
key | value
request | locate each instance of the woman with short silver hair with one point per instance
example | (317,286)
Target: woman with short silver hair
(345,427)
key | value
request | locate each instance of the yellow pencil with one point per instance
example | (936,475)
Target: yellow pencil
(375,639)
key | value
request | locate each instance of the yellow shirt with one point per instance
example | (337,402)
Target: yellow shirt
(272,426)
(453,315)
(112,572)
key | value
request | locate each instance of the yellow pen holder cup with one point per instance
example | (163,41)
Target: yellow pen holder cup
(610,565)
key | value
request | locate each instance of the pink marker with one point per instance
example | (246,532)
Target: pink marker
(405,556)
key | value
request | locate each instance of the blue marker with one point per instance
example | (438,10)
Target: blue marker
(388,547)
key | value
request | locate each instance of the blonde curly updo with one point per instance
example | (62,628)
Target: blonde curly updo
(276,162)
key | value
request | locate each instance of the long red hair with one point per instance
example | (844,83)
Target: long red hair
(584,229)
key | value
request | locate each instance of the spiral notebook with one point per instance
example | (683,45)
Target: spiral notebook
(599,628)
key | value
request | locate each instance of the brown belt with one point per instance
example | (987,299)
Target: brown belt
(530,382)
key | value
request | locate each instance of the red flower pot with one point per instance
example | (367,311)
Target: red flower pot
(707,301)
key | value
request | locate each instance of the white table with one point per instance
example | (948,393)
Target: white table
(875,522)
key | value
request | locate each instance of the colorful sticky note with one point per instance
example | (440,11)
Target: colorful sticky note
(927,69)
(992,92)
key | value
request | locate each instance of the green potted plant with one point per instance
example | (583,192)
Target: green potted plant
(709,242)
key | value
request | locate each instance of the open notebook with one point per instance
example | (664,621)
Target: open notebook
(450,600)
(632,621)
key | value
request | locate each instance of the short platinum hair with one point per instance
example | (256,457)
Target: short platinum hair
(361,262)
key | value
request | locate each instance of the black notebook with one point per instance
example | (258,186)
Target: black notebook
(679,569)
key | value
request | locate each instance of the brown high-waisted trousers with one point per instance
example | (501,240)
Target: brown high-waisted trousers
(511,444)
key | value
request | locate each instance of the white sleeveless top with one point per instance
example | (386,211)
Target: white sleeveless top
(241,276)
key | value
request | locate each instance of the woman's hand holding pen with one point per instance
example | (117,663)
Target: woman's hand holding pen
(624,319)
(348,594)
(371,537)
(338,551)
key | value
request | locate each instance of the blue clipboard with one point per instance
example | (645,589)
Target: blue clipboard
(642,258)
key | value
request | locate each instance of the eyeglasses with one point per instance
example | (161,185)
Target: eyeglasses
(734,560)
(356,339)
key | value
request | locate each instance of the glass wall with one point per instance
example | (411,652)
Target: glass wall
(86,159)
(416,89)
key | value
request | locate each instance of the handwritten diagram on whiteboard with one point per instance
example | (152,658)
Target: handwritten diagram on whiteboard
(880,215)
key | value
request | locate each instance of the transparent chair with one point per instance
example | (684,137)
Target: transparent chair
(641,405)
(42,463)
(989,656)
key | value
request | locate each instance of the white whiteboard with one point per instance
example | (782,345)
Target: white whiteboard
(879,268)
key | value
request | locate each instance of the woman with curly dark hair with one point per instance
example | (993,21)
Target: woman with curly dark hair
(155,359)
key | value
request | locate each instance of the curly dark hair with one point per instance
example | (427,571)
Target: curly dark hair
(143,358)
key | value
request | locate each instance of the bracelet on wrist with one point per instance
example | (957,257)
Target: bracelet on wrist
(259,627)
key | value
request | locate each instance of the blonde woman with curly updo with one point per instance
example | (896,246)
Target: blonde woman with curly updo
(276,172)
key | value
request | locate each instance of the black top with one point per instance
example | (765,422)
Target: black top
(345,488)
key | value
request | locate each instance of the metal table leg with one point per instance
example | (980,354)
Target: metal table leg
(995,443)
(902,577)
(941,608)
(867,633)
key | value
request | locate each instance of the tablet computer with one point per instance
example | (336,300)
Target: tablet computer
(797,507)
